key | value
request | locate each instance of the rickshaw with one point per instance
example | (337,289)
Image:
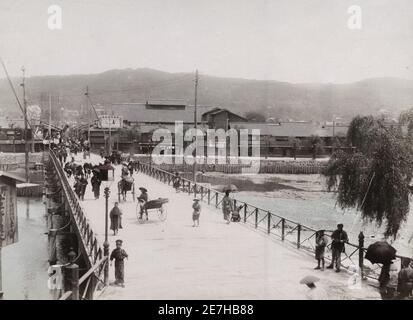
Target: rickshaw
(126,184)
(156,205)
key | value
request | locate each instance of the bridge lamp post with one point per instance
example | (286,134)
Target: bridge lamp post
(106,243)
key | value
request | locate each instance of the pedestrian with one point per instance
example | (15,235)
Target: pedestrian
(227,207)
(125,170)
(115,219)
(119,255)
(196,213)
(77,186)
(176,182)
(391,286)
(321,244)
(339,237)
(383,279)
(143,199)
(83,183)
(405,280)
(131,168)
(64,154)
(96,182)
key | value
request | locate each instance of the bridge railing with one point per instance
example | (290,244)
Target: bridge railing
(88,243)
(295,233)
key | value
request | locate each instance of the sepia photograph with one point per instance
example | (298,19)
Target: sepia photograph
(203,156)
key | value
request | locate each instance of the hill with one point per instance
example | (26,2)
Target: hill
(273,98)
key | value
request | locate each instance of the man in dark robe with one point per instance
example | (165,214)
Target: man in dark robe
(339,239)
(96,182)
(115,219)
(83,183)
(119,255)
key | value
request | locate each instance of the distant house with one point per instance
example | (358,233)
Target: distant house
(218,118)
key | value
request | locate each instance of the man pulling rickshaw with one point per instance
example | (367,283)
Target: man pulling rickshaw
(143,199)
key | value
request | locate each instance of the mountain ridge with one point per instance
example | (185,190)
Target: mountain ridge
(279,99)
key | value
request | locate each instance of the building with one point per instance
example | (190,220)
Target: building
(218,118)
(8,208)
(294,138)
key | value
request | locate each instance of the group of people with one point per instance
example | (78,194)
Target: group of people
(338,240)
(395,283)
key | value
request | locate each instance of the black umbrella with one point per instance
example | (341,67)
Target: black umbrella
(380,252)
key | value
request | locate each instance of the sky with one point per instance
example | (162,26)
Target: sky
(297,41)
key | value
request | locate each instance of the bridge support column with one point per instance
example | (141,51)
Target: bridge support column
(71,277)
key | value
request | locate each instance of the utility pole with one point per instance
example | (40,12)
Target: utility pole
(26,151)
(196,123)
(88,108)
(110,135)
(50,118)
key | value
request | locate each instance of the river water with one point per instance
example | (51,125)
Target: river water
(319,211)
(25,263)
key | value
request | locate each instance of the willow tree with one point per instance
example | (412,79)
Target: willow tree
(375,177)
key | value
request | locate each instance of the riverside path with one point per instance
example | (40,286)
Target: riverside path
(172,260)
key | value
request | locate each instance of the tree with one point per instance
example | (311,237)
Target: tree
(295,143)
(375,178)
(317,145)
(406,118)
(255,116)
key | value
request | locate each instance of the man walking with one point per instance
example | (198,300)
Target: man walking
(83,183)
(96,182)
(119,255)
(227,207)
(339,238)
(115,219)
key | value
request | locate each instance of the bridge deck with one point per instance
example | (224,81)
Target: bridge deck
(173,260)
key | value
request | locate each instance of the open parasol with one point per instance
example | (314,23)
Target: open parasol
(380,252)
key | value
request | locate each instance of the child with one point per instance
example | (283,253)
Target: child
(119,255)
(197,212)
(321,243)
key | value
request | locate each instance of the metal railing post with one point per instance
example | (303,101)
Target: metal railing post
(269,222)
(361,254)
(256,218)
(245,213)
(298,236)
(282,229)
(209,196)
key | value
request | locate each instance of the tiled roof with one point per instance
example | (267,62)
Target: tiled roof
(12,175)
(291,129)
(139,112)
(167,102)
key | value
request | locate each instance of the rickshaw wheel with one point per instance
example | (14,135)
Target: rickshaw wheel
(162,213)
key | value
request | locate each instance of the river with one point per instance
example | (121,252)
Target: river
(25,263)
(303,199)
